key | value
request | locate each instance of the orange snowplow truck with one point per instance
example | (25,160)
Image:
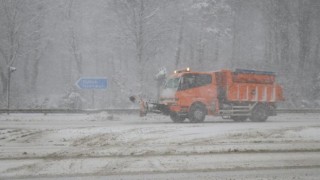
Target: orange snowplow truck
(236,95)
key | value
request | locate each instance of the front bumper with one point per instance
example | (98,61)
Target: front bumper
(169,108)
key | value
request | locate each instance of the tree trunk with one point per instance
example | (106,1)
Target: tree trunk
(140,45)
(304,31)
(201,46)
(180,40)
(235,28)
(217,49)
(4,80)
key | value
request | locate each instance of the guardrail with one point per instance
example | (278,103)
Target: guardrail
(70,111)
(282,110)
(120,111)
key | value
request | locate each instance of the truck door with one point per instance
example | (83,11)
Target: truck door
(196,87)
(186,90)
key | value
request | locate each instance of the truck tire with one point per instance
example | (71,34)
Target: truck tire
(197,113)
(239,118)
(259,113)
(176,118)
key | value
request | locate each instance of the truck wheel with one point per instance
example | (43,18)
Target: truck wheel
(259,113)
(197,113)
(239,118)
(176,118)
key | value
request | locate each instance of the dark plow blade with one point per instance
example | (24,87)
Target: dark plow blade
(143,106)
(132,99)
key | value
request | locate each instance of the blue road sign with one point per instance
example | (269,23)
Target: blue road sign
(92,83)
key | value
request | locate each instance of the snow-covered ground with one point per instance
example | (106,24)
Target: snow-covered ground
(59,145)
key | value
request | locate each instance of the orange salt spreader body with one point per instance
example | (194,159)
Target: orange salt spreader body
(236,95)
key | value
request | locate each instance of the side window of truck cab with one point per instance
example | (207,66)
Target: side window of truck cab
(189,81)
(203,79)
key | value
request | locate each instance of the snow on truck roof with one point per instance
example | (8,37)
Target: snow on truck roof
(237,71)
(246,71)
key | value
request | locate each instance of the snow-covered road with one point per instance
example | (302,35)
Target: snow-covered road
(57,145)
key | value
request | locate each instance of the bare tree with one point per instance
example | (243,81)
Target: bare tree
(237,9)
(140,23)
(304,31)
(210,29)
(180,41)
(10,39)
(38,43)
(74,40)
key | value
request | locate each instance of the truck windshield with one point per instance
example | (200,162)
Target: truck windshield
(172,83)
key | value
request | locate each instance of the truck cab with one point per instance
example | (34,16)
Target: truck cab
(186,92)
